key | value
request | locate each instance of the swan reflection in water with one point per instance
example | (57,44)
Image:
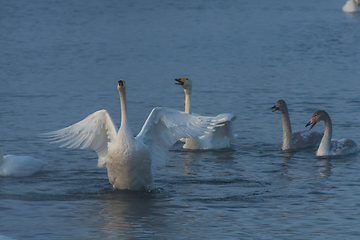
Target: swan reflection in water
(194,161)
(124,214)
(322,168)
(325,167)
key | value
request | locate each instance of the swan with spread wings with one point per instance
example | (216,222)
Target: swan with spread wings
(130,160)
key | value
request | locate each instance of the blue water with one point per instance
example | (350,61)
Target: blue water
(61,61)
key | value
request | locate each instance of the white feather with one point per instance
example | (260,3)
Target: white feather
(131,161)
(19,166)
(350,6)
(165,126)
(222,137)
(95,131)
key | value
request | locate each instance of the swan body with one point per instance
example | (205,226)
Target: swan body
(294,140)
(130,160)
(330,146)
(19,166)
(350,6)
(222,137)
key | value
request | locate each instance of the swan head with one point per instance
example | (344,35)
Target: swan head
(121,85)
(280,105)
(184,82)
(358,3)
(318,116)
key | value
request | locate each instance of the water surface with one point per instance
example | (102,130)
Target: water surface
(61,61)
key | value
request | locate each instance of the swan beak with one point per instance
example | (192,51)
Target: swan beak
(311,122)
(357,1)
(275,108)
(180,81)
(121,83)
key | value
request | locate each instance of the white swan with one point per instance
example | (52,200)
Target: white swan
(130,160)
(222,137)
(330,146)
(294,140)
(19,166)
(350,6)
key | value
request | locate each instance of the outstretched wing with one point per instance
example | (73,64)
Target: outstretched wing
(165,126)
(95,131)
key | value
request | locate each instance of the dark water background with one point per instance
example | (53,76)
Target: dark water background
(61,60)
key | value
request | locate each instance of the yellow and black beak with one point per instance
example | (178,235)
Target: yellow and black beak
(180,81)
(357,1)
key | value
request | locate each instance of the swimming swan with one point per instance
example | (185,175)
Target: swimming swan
(222,137)
(328,146)
(294,140)
(130,160)
(350,6)
(19,166)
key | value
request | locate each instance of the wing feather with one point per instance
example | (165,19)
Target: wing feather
(225,119)
(95,131)
(165,126)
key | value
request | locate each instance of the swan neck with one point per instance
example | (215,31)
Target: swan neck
(187,101)
(287,132)
(326,140)
(123,107)
(125,130)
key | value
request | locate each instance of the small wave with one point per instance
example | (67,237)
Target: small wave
(220,182)
(253,198)
(6,238)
